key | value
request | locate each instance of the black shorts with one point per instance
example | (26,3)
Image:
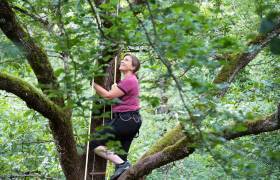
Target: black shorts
(122,128)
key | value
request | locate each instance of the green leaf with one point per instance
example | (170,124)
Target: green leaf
(240,128)
(154,101)
(27,113)
(266,26)
(275,46)
(58,72)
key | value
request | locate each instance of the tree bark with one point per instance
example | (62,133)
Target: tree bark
(59,121)
(183,147)
(235,63)
(34,98)
(36,56)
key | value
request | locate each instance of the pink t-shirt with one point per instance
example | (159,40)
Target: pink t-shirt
(130,100)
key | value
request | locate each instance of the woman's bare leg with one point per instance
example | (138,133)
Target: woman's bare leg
(109,155)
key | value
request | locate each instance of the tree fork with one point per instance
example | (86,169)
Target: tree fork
(59,121)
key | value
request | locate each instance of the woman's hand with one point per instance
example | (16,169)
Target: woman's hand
(114,86)
(92,83)
(115,92)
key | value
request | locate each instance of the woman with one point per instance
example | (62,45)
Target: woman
(126,118)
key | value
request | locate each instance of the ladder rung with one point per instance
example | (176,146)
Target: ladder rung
(97,173)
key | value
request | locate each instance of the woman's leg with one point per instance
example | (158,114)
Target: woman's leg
(126,127)
(125,142)
(99,144)
(109,155)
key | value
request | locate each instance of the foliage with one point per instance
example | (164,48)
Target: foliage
(176,39)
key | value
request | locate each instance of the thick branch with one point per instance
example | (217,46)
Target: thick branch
(172,153)
(169,138)
(34,98)
(268,124)
(238,62)
(36,57)
(59,121)
(181,148)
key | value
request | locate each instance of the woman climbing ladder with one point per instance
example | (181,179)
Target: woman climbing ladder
(126,119)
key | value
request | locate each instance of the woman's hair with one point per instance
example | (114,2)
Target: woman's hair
(135,62)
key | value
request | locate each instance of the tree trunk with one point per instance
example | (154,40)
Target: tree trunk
(59,119)
(95,162)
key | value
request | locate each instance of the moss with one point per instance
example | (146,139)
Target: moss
(35,55)
(168,139)
(33,97)
(228,68)
(234,60)
(183,142)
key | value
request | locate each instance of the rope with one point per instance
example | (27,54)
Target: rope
(85,175)
(93,165)
(115,73)
(118,7)
(103,121)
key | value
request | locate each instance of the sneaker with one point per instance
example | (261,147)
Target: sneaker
(120,168)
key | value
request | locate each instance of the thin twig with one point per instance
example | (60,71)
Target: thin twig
(152,20)
(97,18)
(168,66)
(165,62)
(185,71)
(35,17)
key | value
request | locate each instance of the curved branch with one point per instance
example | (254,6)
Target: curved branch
(33,16)
(33,97)
(184,147)
(36,57)
(270,123)
(169,154)
(59,121)
(238,62)
(169,139)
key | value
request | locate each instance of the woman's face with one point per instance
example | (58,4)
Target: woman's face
(126,64)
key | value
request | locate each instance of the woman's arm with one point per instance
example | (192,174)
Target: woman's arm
(115,92)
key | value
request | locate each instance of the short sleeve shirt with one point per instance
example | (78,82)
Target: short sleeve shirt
(130,100)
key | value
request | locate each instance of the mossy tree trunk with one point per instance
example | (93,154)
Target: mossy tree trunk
(53,107)
(171,147)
